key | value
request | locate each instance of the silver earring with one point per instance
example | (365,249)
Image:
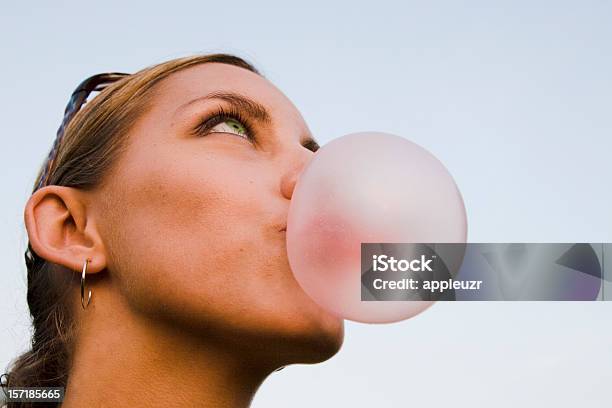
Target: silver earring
(83,286)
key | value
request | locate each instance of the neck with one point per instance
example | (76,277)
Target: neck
(124,360)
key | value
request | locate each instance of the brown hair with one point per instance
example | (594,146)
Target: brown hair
(92,142)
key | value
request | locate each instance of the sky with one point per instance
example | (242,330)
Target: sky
(512,96)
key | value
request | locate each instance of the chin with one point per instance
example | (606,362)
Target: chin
(326,346)
(316,344)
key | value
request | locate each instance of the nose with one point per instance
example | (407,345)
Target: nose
(293,171)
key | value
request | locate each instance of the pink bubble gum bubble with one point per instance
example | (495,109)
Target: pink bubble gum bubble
(367,187)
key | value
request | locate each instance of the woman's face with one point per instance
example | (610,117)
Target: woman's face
(193,215)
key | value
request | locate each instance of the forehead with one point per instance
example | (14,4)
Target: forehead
(194,82)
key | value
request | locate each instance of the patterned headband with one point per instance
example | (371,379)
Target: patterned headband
(94,83)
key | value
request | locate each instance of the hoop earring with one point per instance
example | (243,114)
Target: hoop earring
(83,287)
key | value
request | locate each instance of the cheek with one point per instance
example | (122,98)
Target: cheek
(199,243)
(188,226)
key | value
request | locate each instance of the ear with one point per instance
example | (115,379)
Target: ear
(62,228)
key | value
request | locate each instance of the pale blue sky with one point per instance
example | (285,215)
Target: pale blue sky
(513,96)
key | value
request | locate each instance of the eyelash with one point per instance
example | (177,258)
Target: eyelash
(221,115)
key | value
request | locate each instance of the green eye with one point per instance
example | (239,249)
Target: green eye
(230,126)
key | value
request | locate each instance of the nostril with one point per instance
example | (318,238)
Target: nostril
(288,185)
(289,180)
(294,169)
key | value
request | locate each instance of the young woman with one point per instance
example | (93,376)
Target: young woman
(157,268)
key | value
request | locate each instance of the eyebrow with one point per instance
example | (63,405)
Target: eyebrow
(241,102)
